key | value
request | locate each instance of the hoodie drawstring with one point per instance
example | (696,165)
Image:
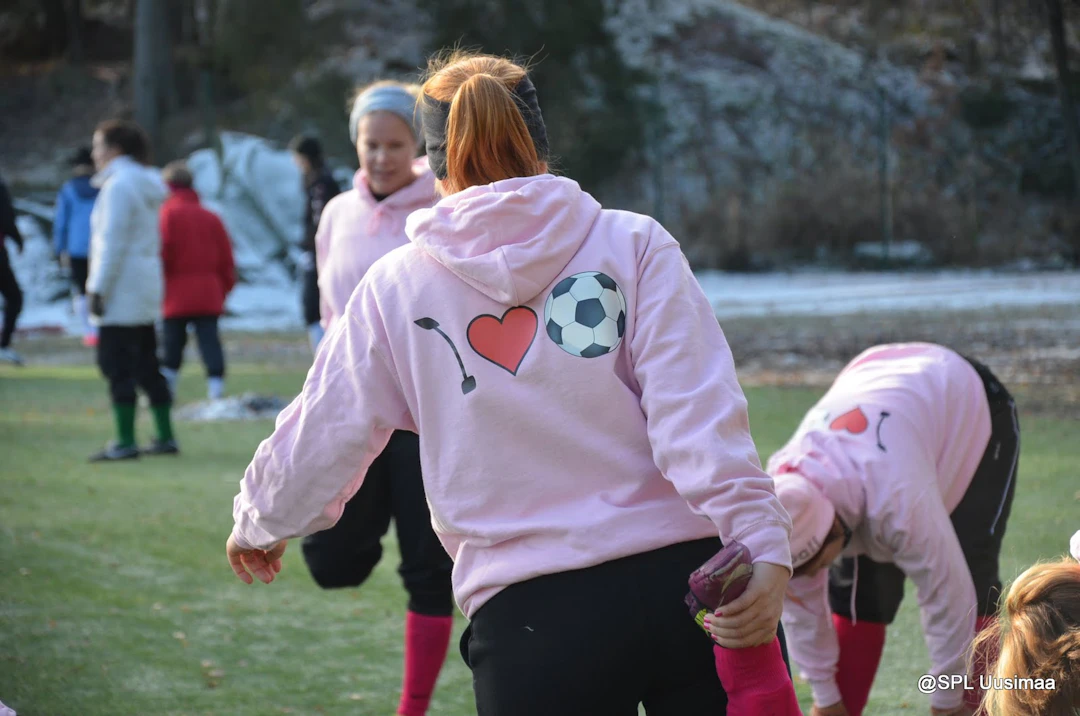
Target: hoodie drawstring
(854,587)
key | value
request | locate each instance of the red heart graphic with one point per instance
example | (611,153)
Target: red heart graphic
(504,341)
(854,421)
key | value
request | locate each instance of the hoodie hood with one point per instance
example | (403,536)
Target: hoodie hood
(510,239)
(145,182)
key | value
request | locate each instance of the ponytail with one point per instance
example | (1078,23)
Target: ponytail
(482,123)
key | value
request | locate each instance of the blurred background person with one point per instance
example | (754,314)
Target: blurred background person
(71,235)
(125,285)
(321,187)
(197,261)
(357,228)
(9,286)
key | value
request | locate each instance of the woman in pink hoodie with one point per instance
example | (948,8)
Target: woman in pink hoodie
(585,441)
(356,229)
(906,467)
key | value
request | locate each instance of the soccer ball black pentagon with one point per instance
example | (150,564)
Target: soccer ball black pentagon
(585,314)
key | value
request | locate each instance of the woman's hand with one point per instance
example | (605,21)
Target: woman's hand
(264,564)
(752,619)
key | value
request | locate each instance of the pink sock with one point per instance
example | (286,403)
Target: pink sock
(982,663)
(426,642)
(756,681)
(861,645)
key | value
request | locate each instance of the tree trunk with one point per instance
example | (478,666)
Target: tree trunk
(999,33)
(73,10)
(1055,18)
(147,92)
(168,101)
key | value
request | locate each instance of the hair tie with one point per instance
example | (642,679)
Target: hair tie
(436,113)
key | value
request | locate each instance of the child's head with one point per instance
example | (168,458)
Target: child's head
(81,161)
(307,153)
(385,129)
(1038,635)
(177,175)
(482,123)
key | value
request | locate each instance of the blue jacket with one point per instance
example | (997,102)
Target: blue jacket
(71,227)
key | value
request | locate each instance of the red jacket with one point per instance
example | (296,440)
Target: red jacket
(197,258)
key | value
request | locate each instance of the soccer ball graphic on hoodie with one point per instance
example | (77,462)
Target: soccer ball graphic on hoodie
(585,314)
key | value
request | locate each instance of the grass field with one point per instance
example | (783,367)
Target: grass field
(115,597)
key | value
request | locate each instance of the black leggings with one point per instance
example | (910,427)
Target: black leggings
(206,333)
(309,297)
(13,297)
(127,357)
(979,521)
(80,271)
(597,642)
(345,554)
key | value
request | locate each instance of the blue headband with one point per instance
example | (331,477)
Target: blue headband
(388,98)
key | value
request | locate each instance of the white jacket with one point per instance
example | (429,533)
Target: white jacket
(125,243)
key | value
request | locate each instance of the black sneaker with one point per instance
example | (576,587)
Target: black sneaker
(158,446)
(114,452)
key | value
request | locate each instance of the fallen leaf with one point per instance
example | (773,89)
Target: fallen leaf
(179,635)
(206,663)
(356,697)
(158,606)
(24,571)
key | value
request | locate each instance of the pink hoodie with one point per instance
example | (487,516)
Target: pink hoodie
(355,231)
(893,444)
(546,445)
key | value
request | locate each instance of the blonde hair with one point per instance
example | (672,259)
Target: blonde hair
(487,139)
(1037,635)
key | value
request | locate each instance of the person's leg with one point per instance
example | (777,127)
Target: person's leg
(213,356)
(310,301)
(426,572)
(344,555)
(13,303)
(78,296)
(596,642)
(878,590)
(174,338)
(117,360)
(156,388)
(981,517)
(677,659)
(757,679)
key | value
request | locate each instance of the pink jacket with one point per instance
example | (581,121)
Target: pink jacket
(893,444)
(575,398)
(355,231)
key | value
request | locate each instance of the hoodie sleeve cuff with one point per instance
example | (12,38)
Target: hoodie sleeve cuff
(826,693)
(768,542)
(947,699)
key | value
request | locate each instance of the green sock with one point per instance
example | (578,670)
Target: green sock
(162,421)
(124,414)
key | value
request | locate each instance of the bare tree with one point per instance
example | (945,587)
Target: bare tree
(148,88)
(1055,18)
